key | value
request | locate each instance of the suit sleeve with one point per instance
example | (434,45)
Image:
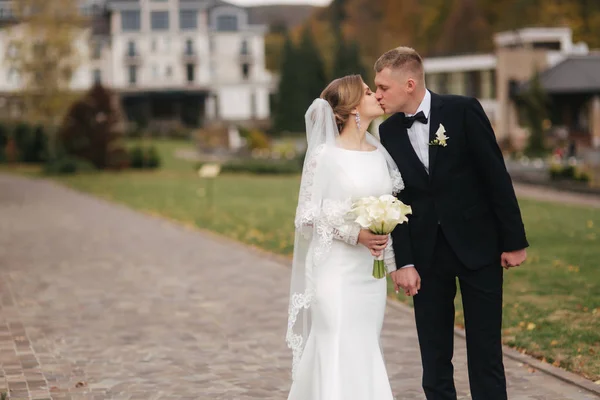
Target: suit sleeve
(400,235)
(485,152)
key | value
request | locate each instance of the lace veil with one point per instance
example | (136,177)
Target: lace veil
(318,221)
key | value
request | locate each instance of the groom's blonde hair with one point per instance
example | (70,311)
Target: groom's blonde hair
(402,58)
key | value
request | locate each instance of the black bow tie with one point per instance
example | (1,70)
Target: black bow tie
(408,121)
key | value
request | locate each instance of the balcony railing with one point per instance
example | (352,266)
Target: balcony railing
(245,56)
(132,58)
(190,56)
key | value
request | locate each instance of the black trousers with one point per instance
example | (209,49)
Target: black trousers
(434,312)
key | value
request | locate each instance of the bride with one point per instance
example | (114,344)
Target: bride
(336,305)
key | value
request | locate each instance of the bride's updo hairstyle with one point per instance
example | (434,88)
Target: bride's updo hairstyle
(344,95)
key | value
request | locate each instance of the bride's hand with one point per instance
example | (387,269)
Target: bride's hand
(373,242)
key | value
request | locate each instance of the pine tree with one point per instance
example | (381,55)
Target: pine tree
(312,70)
(348,60)
(288,106)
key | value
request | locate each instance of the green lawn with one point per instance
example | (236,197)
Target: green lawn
(552,304)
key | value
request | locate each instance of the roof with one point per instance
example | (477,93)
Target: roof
(576,74)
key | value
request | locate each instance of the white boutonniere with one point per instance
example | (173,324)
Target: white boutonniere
(440,137)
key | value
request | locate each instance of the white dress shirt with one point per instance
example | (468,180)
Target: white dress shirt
(418,133)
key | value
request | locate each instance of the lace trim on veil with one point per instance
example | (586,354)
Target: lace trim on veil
(295,341)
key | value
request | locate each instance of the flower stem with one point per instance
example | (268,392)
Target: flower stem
(378,269)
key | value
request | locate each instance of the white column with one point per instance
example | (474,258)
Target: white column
(595,122)
(210,107)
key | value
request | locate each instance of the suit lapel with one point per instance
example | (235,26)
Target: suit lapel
(434,123)
(407,149)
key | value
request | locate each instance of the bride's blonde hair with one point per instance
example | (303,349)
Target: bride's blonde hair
(344,95)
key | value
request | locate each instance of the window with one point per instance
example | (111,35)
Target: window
(159,20)
(155,71)
(132,74)
(169,71)
(227,23)
(131,52)
(130,21)
(443,83)
(547,45)
(473,84)
(190,69)
(13,76)
(97,54)
(6,12)
(493,84)
(97,76)
(13,50)
(153,45)
(39,50)
(189,47)
(244,50)
(246,70)
(188,20)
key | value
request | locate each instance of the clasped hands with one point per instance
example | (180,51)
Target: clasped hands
(406,278)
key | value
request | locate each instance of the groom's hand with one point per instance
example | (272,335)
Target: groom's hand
(408,279)
(513,258)
(373,242)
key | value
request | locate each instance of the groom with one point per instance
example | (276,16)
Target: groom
(466,223)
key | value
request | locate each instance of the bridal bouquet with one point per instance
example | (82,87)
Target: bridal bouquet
(380,216)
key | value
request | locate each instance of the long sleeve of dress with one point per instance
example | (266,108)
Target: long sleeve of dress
(328,215)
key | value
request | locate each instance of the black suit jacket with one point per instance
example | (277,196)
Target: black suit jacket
(468,191)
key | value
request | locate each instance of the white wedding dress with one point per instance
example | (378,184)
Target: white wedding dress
(342,357)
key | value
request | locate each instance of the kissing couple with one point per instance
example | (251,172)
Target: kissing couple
(438,154)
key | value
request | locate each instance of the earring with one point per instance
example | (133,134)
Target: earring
(358,120)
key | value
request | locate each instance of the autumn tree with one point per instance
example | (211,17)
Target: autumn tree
(43,51)
(90,129)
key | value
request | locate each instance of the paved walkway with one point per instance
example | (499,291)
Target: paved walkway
(101,302)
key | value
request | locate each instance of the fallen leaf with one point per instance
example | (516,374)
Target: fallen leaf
(590,224)
(554,343)
(556,363)
(531,369)
(573,268)
(80,384)
(530,326)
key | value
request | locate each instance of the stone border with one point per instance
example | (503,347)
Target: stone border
(565,376)
(559,185)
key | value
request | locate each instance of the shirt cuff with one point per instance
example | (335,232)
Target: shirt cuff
(407,266)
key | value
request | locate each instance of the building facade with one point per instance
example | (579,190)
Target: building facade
(189,61)
(496,78)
